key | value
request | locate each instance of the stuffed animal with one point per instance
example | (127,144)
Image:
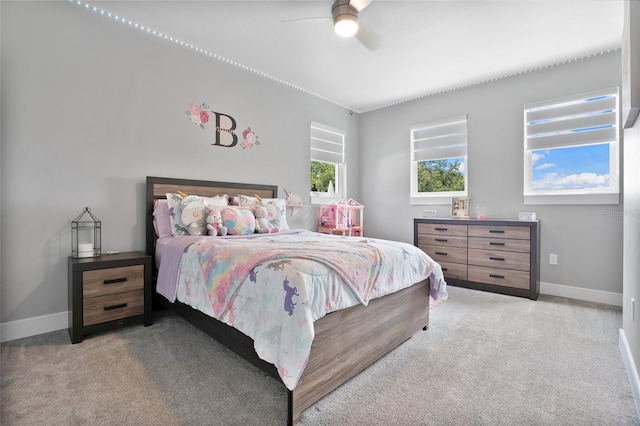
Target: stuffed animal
(193,216)
(263,226)
(215,226)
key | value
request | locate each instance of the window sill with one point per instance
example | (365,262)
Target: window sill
(316,199)
(566,199)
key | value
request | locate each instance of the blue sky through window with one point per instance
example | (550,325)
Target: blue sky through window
(578,167)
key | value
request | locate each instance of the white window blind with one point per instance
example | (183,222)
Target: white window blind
(571,149)
(327,144)
(588,119)
(439,140)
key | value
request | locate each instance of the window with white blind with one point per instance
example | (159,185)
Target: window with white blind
(571,150)
(439,160)
(328,168)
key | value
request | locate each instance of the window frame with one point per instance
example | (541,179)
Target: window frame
(323,150)
(565,136)
(449,146)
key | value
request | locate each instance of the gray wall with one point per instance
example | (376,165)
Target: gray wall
(587,238)
(90,107)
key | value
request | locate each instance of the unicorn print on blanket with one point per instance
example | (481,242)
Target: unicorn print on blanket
(288,298)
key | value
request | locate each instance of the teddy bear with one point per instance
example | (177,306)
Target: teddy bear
(263,226)
(215,226)
(193,216)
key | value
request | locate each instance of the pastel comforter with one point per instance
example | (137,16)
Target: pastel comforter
(272,287)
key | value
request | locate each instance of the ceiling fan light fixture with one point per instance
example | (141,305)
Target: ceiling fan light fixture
(346,27)
(345,18)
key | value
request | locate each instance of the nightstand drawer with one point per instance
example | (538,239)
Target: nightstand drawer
(112,307)
(101,282)
(503,277)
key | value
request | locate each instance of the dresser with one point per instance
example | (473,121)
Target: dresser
(501,256)
(108,291)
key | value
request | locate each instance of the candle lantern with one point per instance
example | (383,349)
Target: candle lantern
(85,235)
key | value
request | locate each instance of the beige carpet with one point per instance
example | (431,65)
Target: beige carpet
(487,359)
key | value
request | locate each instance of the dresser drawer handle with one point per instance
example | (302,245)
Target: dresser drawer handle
(496,276)
(112,307)
(496,231)
(441,240)
(441,253)
(501,259)
(445,269)
(115,280)
(496,244)
(441,229)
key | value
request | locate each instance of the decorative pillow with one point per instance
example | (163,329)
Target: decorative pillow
(161,218)
(276,209)
(238,221)
(193,222)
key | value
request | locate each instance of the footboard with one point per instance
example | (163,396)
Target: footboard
(348,341)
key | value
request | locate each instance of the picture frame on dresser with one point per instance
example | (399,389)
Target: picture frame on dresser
(460,207)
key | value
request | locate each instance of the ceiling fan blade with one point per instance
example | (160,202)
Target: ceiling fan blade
(306,19)
(369,38)
(359,4)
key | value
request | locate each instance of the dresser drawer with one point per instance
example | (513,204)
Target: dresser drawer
(444,229)
(499,259)
(502,277)
(456,271)
(446,254)
(112,307)
(101,282)
(442,240)
(499,244)
(515,232)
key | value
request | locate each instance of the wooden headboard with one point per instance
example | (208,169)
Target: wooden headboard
(158,187)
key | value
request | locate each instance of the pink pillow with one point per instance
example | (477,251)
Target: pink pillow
(161,218)
(238,221)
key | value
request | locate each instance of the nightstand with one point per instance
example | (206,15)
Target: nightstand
(108,291)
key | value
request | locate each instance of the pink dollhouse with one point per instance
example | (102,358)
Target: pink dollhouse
(342,218)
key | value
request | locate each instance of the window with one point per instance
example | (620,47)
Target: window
(328,174)
(571,150)
(439,161)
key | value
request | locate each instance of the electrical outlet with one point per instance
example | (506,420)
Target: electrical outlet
(553,259)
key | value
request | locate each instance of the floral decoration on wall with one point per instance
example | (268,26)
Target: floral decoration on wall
(223,125)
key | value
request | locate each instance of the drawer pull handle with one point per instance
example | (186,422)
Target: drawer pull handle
(441,229)
(501,259)
(496,244)
(112,307)
(496,231)
(445,269)
(496,276)
(115,280)
(441,240)
(441,253)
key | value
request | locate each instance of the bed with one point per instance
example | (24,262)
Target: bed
(343,342)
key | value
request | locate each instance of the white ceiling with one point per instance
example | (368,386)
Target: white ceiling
(428,46)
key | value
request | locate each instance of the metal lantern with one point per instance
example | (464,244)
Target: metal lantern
(85,235)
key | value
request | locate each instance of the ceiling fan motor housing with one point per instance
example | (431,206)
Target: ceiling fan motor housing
(341,10)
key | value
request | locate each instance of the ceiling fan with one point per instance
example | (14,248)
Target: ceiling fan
(346,22)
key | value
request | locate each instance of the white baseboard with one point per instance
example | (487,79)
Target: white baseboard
(632,372)
(598,296)
(32,326)
(46,323)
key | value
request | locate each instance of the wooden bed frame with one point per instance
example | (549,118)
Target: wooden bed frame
(346,341)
